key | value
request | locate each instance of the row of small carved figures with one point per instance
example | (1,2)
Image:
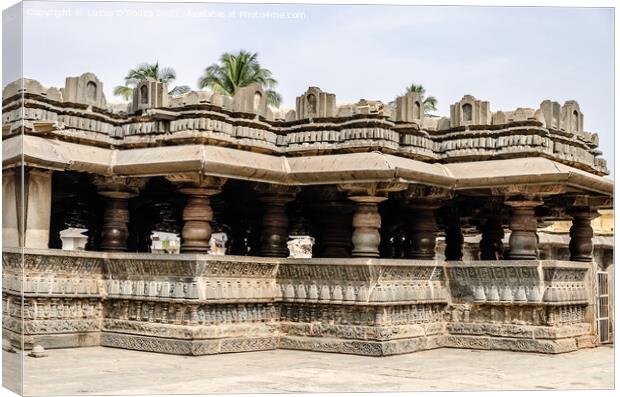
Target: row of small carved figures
(52,308)
(529,293)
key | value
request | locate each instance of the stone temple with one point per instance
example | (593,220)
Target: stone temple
(340,228)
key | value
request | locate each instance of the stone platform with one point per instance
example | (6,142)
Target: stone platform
(287,371)
(195,304)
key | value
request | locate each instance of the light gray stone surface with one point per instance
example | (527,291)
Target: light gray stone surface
(281,371)
(205,304)
(317,126)
(303,170)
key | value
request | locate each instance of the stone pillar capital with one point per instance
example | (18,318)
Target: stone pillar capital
(527,192)
(276,193)
(521,202)
(587,201)
(118,187)
(371,200)
(380,189)
(425,196)
(208,184)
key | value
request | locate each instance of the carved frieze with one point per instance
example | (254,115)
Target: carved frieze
(208,305)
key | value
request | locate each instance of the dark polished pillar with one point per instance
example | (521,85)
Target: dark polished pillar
(492,233)
(117,191)
(274,235)
(422,231)
(581,234)
(332,214)
(523,223)
(422,202)
(454,234)
(115,227)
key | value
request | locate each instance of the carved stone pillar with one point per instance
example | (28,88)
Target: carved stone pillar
(332,214)
(366,225)
(422,224)
(197,213)
(117,191)
(583,208)
(523,223)
(492,230)
(523,200)
(581,234)
(366,219)
(492,233)
(454,234)
(26,207)
(274,235)
(422,231)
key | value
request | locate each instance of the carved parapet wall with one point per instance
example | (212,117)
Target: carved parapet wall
(62,298)
(200,304)
(519,305)
(369,307)
(190,305)
(317,126)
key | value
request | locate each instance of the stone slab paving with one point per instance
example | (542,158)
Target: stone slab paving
(100,370)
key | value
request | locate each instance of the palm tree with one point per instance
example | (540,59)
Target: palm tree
(430,103)
(146,70)
(239,70)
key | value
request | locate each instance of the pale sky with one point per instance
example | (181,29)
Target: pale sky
(512,57)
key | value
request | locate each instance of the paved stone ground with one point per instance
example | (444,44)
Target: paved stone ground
(100,370)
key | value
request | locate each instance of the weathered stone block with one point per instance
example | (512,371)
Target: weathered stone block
(86,89)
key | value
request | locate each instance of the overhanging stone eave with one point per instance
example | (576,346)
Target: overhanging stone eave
(526,171)
(56,155)
(303,170)
(365,167)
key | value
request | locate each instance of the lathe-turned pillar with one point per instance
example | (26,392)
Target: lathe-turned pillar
(366,218)
(523,224)
(523,201)
(332,213)
(454,233)
(492,230)
(583,209)
(197,213)
(117,191)
(422,202)
(581,234)
(274,234)
(422,230)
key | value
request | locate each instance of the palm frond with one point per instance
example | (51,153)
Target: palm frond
(236,70)
(273,98)
(179,90)
(430,103)
(123,91)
